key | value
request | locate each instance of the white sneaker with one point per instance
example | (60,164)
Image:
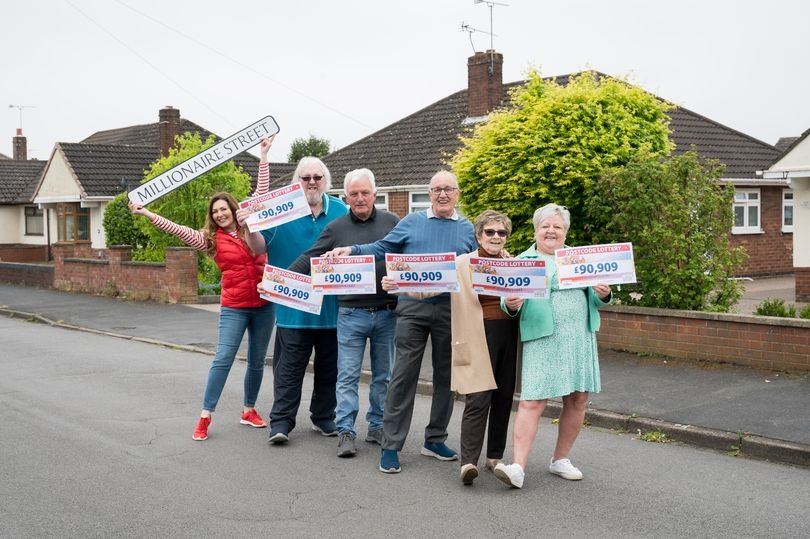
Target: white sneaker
(565,469)
(511,474)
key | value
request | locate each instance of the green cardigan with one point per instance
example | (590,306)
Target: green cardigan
(536,319)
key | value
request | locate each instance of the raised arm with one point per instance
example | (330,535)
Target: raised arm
(189,236)
(263,181)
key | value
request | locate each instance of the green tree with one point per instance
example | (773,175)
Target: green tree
(314,146)
(553,144)
(188,205)
(677,215)
(120,225)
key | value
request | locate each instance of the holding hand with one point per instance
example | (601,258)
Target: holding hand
(513,303)
(264,147)
(388,284)
(602,291)
(338,251)
(137,209)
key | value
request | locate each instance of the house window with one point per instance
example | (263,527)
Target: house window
(34,222)
(746,211)
(73,222)
(419,202)
(381,203)
(787,210)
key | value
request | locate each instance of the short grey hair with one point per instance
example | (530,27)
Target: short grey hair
(309,160)
(550,210)
(444,173)
(354,175)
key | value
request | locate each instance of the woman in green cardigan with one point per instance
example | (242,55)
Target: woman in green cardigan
(559,353)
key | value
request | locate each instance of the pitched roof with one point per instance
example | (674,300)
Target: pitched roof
(411,150)
(784,142)
(18,179)
(141,135)
(148,135)
(4,156)
(107,169)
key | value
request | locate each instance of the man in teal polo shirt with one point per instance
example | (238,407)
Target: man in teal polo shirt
(298,333)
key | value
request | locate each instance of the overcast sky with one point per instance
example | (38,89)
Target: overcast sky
(344,69)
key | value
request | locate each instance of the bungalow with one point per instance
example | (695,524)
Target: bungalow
(22,226)
(406,153)
(793,168)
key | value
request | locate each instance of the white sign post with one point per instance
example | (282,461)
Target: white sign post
(204,161)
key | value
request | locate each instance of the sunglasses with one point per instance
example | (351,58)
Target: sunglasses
(489,232)
(308,178)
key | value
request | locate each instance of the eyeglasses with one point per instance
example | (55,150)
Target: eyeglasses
(317,178)
(489,232)
(448,190)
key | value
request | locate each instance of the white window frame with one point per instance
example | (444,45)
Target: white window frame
(381,205)
(746,204)
(414,206)
(787,202)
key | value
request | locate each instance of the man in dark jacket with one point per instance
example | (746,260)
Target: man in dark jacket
(360,317)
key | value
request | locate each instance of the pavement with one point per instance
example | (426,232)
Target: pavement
(741,411)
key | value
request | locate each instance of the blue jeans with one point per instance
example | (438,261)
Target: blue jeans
(354,327)
(258,321)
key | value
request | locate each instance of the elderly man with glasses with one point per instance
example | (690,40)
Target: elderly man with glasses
(298,333)
(439,229)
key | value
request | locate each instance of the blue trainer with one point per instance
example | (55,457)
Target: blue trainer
(438,450)
(279,434)
(389,461)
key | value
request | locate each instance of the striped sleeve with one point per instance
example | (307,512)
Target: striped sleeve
(189,236)
(263,181)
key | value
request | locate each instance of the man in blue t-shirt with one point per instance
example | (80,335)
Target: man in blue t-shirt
(298,333)
(439,229)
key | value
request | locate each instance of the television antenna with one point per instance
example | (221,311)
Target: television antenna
(491,5)
(20,109)
(470,30)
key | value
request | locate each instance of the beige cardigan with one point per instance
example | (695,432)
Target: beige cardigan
(472,368)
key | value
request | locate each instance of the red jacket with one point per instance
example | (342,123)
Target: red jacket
(241,272)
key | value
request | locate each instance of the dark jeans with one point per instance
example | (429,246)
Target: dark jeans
(291,355)
(416,320)
(502,341)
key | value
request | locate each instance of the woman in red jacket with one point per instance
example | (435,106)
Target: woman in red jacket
(241,307)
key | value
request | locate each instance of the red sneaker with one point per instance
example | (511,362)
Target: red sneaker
(252,418)
(201,432)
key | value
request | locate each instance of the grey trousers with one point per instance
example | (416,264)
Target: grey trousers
(416,320)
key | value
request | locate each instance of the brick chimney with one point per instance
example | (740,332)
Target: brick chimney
(169,128)
(484,83)
(20,145)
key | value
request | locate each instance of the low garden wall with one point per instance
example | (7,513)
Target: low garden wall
(756,341)
(111,272)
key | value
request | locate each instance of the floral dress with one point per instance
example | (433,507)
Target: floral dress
(567,360)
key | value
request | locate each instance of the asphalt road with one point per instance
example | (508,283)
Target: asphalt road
(96,442)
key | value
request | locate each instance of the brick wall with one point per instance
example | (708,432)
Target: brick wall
(756,341)
(769,253)
(78,268)
(27,274)
(19,252)
(398,203)
(484,82)
(802,284)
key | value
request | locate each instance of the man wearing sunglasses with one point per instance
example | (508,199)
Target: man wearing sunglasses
(298,333)
(439,229)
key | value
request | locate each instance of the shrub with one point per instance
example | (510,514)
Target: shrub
(775,307)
